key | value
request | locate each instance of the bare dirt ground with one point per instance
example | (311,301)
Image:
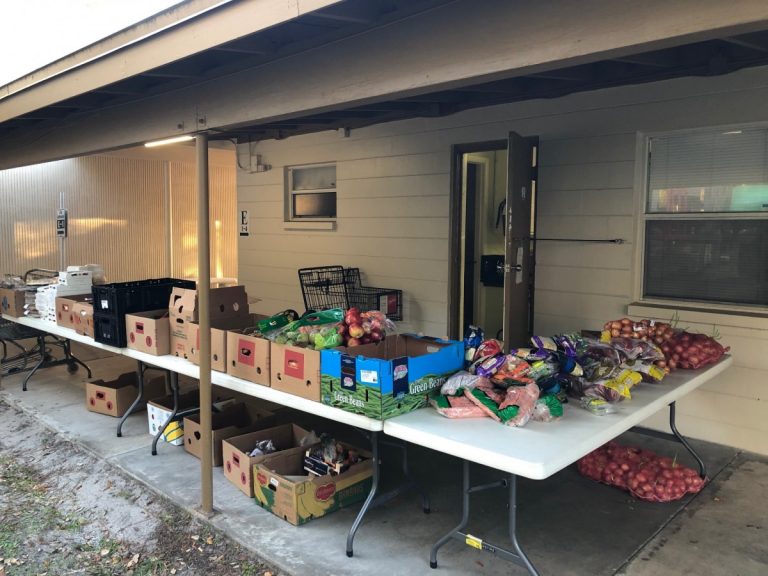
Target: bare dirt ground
(63,511)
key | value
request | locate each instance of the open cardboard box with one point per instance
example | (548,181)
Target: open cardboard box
(390,377)
(233,420)
(148,332)
(65,308)
(281,486)
(83,312)
(114,397)
(295,370)
(220,327)
(238,465)
(248,356)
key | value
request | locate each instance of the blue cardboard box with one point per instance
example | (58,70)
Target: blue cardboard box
(390,377)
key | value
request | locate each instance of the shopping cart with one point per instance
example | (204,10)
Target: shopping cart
(30,348)
(327,287)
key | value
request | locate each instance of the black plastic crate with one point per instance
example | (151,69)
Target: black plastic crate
(109,329)
(323,287)
(385,300)
(121,298)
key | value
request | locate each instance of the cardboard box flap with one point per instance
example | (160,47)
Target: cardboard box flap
(125,379)
(283,437)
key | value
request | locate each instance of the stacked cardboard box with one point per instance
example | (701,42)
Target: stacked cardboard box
(225,304)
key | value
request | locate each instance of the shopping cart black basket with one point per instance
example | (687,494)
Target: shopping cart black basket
(338,287)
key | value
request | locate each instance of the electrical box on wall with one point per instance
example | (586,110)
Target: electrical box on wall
(61,223)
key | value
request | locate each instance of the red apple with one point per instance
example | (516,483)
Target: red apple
(353,342)
(356,331)
(375,336)
(342,329)
(366,339)
(352,316)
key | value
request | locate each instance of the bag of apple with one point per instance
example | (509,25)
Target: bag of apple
(333,328)
(364,327)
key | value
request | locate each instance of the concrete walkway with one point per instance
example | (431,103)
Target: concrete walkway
(568,525)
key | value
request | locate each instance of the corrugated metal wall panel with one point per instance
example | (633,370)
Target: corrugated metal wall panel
(116,216)
(27,220)
(223,232)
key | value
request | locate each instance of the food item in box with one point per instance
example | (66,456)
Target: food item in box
(473,337)
(317,330)
(330,457)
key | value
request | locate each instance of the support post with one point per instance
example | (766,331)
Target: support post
(203,298)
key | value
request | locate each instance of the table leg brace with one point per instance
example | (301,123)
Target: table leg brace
(516,555)
(684,442)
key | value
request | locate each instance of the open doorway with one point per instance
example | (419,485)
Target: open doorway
(492,205)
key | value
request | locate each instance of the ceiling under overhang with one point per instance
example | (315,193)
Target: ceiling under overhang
(714,56)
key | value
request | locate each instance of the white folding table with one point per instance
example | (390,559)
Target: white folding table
(175,366)
(539,449)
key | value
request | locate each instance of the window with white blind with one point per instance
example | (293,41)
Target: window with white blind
(706,217)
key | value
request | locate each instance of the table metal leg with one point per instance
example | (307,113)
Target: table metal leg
(684,442)
(41,346)
(371,495)
(140,369)
(516,555)
(71,358)
(375,499)
(175,392)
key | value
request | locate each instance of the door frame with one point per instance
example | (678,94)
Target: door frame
(455,224)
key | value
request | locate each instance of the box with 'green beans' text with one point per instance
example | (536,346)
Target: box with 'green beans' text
(391,377)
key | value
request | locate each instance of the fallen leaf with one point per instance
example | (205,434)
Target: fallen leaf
(209,540)
(104,551)
(173,571)
(195,537)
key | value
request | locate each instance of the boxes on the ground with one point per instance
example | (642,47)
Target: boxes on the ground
(390,377)
(65,308)
(238,464)
(149,332)
(114,397)
(248,356)
(233,420)
(160,409)
(183,308)
(219,328)
(83,312)
(281,485)
(12,302)
(295,370)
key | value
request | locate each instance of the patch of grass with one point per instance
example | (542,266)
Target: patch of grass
(151,567)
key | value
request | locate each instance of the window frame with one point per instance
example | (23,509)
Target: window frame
(642,184)
(289,194)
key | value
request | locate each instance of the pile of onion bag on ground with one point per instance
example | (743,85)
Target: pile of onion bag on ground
(533,383)
(641,472)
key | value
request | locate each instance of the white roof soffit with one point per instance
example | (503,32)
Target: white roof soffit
(180,31)
(454,44)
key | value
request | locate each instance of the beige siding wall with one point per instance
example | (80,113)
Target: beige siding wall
(393,186)
(117,213)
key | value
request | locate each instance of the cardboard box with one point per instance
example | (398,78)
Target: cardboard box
(183,308)
(388,378)
(234,420)
(148,332)
(114,397)
(65,309)
(295,370)
(219,328)
(281,486)
(248,357)
(238,465)
(12,302)
(159,410)
(83,312)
